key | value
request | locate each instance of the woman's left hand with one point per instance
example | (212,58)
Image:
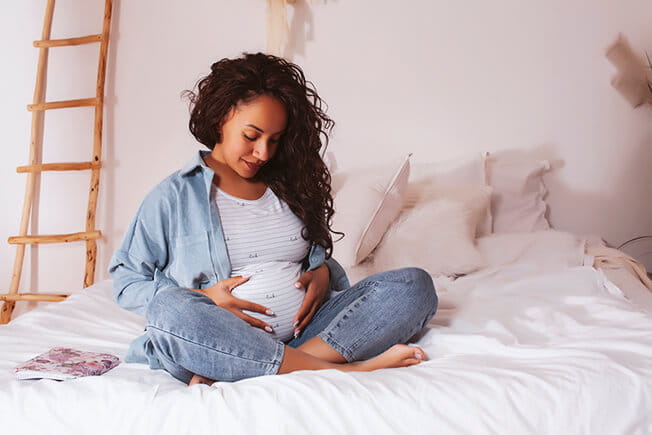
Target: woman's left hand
(315,283)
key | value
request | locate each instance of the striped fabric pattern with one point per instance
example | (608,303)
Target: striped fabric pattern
(263,239)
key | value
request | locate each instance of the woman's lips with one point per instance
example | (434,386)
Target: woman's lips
(252,166)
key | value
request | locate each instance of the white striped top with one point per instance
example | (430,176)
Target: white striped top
(263,239)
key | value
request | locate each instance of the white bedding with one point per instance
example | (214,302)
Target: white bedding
(523,347)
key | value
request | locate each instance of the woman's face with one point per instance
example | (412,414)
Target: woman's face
(250,135)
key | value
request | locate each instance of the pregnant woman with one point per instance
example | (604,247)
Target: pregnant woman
(229,258)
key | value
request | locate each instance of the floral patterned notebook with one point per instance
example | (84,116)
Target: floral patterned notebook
(62,363)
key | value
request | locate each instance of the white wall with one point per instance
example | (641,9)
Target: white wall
(434,77)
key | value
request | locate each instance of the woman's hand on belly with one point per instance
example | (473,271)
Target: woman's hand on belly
(315,282)
(220,293)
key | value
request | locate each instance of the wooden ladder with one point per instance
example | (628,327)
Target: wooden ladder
(35,167)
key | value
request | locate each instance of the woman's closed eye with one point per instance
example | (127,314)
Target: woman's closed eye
(255,138)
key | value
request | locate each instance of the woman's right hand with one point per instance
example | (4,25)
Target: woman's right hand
(220,293)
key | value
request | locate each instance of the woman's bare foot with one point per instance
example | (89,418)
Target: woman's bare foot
(399,355)
(198,379)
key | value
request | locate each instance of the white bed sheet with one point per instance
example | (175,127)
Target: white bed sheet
(517,348)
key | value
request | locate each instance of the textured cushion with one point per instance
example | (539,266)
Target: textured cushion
(449,178)
(517,204)
(437,236)
(366,202)
(477,199)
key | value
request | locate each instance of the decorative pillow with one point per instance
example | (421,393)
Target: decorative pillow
(437,236)
(451,177)
(517,204)
(366,203)
(476,197)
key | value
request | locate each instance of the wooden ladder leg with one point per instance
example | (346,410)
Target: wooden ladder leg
(34,153)
(91,245)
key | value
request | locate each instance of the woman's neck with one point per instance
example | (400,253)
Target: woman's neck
(232,183)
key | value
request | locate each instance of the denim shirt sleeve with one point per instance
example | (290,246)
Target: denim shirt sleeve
(338,279)
(137,264)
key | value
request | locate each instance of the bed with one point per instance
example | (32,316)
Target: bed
(533,339)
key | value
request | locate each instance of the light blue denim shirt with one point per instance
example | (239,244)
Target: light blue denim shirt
(176,240)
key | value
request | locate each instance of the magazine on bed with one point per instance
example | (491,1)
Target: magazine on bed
(62,363)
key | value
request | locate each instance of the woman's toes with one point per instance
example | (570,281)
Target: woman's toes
(198,379)
(418,354)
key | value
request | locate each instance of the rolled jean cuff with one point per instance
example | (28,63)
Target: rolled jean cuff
(275,365)
(329,340)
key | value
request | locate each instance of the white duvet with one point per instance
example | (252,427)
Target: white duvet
(522,347)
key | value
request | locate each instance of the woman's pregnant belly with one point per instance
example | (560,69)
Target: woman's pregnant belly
(272,285)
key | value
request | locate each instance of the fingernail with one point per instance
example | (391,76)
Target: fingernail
(296,322)
(268,328)
(297,332)
(297,284)
(270,313)
(418,355)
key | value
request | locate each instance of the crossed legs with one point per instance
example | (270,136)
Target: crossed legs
(357,330)
(315,354)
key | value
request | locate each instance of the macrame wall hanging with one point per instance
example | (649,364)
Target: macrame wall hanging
(277,25)
(278,31)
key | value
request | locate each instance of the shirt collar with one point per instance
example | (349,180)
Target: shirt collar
(197,161)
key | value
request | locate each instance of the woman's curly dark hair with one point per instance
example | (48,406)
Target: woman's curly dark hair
(297,174)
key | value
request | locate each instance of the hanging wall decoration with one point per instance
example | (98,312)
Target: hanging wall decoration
(633,79)
(277,26)
(279,34)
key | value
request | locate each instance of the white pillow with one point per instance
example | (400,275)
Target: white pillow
(542,250)
(437,236)
(366,203)
(518,202)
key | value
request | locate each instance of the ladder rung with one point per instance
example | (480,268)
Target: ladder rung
(33,297)
(63,104)
(57,238)
(59,167)
(70,41)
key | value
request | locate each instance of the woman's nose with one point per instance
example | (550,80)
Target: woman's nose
(261,150)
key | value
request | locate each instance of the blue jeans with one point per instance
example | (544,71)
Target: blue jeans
(190,334)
